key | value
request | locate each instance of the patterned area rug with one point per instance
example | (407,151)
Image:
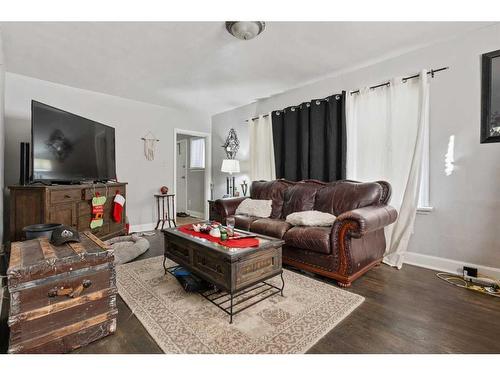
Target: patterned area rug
(183,322)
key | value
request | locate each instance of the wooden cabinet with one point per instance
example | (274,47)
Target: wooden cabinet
(63,204)
(63,213)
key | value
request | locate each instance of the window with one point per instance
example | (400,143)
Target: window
(197,153)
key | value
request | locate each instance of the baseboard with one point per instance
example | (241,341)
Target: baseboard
(142,227)
(196,214)
(447,265)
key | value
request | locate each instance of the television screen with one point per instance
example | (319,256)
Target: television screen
(70,148)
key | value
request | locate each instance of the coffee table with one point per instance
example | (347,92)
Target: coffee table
(238,274)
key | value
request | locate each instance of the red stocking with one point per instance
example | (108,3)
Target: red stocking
(118,204)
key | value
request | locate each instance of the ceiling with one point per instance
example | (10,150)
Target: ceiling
(198,65)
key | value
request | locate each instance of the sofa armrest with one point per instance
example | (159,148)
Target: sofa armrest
(368,219)
(227,206)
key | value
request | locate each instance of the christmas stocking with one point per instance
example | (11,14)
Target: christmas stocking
(118,204)
(97,211)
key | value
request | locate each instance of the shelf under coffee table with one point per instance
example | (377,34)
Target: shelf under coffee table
(239,275)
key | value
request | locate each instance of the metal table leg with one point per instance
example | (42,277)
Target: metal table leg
(163,212)
(173,209)
(158,208)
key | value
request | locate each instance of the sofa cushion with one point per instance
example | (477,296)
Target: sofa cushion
(255,207)
(270,227)
(273,190)
(316,239)
(343,196)
(311,219)
(243,221)
(300,197)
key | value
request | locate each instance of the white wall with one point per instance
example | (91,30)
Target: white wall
(221,124)
(466,216)
(131,120)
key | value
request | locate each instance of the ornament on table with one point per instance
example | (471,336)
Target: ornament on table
(164,190)
(118,204)
(244,187)
(97,219)
(215,232)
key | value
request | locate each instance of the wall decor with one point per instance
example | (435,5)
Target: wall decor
(232,144)
(490,97)
(149,145)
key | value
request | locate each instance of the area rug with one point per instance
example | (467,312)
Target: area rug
(182,322)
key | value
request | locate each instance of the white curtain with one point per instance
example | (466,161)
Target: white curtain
(261,149)
(386,128)
(197,153)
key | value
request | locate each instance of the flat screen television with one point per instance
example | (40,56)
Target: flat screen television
(69,148)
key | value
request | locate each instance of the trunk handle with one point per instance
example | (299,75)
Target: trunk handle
(70,292)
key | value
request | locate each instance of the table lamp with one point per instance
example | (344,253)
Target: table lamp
(230,166)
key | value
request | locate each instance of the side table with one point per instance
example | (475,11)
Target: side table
(168,215)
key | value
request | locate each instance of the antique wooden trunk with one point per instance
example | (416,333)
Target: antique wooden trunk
(61,297)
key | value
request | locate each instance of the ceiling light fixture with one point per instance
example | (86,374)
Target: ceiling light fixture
(245,30)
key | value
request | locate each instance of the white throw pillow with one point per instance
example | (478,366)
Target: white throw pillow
(255,207)
(311,219)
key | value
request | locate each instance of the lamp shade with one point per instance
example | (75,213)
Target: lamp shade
(230,166)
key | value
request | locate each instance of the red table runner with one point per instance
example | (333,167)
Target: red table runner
(244,242)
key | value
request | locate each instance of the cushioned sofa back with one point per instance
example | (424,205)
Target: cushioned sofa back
(301,196)
(341,196)
(273,190)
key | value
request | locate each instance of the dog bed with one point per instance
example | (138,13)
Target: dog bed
(127,248)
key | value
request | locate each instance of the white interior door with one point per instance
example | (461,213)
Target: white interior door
(181,173)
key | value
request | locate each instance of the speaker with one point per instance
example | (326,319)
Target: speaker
(24,164)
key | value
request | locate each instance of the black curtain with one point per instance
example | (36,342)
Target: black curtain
(310,140)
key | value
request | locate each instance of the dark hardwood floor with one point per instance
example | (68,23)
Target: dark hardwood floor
(405,311)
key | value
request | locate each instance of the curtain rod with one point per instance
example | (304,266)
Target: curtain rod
(292,108)
(431,72)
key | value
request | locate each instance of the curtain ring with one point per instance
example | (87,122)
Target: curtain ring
(293,109)
(317,102)
(326,99)
(277,113)
(337,97)
(308,105)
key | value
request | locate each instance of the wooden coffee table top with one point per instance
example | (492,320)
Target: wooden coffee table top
(266,242)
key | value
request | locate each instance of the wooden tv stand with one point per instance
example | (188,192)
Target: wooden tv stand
(63,204)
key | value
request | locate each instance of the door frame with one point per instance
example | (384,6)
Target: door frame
(185,141)
(208,164)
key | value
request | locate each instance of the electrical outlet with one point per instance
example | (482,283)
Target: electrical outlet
(470,272)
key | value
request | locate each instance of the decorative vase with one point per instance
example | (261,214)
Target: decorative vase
(244,188)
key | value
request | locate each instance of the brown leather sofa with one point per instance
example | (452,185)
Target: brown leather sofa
(354,244)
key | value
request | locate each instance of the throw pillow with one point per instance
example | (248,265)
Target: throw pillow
(311,219)
(255,207)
